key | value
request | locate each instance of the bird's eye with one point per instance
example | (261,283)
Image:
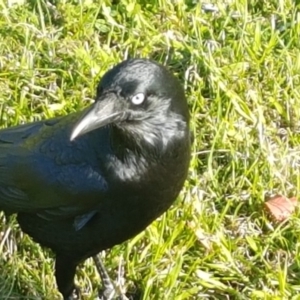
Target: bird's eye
(138,99)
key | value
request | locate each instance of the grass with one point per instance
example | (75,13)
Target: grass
(241,70)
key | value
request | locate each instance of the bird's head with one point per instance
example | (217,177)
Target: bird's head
(142,99)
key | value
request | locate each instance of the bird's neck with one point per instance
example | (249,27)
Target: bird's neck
(132,159)
(133,143)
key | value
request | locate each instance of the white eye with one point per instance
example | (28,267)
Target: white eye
(138,99)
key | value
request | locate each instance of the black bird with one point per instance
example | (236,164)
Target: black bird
(85,182)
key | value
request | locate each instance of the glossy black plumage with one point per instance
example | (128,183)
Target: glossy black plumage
(90,180)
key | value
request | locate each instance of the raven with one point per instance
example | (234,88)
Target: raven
(85,182)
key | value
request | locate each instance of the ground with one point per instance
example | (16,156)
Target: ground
(239,62)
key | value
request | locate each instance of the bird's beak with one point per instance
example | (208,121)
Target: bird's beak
(103,112)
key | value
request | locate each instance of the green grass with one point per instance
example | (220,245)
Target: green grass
(241,71)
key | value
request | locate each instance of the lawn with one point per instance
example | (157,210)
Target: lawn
(239,62)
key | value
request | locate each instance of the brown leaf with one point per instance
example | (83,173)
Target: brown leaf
(281,207)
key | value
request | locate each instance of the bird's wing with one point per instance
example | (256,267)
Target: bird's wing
(42,172)
(12,196)
(17,134)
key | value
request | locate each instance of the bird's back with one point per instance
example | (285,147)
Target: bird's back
(42,172)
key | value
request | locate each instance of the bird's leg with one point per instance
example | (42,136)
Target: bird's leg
(8,244)
(65,270)
(109,289)
(6,232)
